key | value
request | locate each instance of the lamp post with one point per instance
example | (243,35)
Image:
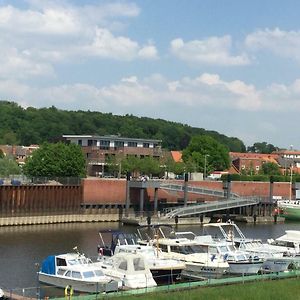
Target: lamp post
(205,159)
(291,182)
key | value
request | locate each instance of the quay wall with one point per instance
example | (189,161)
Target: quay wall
(102,199)
(113,191)
(36,199)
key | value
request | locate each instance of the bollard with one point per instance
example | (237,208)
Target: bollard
(176,220)
(254,218)
(201,218)
(149,220)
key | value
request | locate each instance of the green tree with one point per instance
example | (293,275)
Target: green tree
(262,147)
(131,164)
(270,168)
(205,151)
(8,166)
(150,166)
(56,160)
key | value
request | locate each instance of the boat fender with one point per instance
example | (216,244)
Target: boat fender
(68,291)
(1,294)
(100,250)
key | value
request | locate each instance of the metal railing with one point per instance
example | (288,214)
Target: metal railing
(213,206)
(196,190)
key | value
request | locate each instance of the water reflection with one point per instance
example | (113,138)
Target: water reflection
(21,247)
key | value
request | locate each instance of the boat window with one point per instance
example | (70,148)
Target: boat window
(60,262)
(76,274)
(164,248)
(231,248)
(223,249)
(68,274)
(212,250)
(187,249)
(241,257)
(138,264)
(123,265)
(88,274)
(99,273)
(60,272)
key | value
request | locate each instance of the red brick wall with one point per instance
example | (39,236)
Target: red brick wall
(113,191)
(104,191)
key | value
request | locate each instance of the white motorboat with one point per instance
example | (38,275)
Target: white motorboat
(240,262)
(130,268)
(163,270)
(198,263)
(274,258)
(76,270)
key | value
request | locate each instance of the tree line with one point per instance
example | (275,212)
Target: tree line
(26,126)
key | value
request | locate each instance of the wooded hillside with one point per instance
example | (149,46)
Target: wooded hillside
(20,126)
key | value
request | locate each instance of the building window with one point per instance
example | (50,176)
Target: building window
(92,142)
(119,144)
(146,145)
(80,142)
(104,144)
(132,144)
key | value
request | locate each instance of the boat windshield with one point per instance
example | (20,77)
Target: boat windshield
(223,249)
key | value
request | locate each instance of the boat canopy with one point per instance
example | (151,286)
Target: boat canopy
(48,265)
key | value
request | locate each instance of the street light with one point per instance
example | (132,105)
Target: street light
(291,182)
(205,158)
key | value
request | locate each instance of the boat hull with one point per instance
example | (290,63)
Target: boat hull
(195,270)
(166,275)
(78,285)
(290,213)
(244,267)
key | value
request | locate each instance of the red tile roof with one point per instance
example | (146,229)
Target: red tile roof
(177,156)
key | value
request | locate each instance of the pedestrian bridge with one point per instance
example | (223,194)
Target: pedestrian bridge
(195,190)
(203,208)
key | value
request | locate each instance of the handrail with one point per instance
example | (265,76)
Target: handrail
(209,207)
(195,190)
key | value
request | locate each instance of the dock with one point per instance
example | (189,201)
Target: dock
(140,221)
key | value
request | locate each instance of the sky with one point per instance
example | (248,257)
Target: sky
(226,65)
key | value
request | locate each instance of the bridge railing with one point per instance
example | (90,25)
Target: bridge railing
(196,190)
(213,206)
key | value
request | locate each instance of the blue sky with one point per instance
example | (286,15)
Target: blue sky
(228,65)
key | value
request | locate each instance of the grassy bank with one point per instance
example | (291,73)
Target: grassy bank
(287,289)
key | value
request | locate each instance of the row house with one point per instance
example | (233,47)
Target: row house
(251,162)
(19,153)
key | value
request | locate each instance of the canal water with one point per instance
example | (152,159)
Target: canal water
(23,247)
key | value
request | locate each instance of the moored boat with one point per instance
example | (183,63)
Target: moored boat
(289,209)
(130,268)
(76,271)
(163,270)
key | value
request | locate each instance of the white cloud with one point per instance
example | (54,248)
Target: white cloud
(32,39)
(107,45)
(213,51)
(20,65)
(280,42)
(154,92)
